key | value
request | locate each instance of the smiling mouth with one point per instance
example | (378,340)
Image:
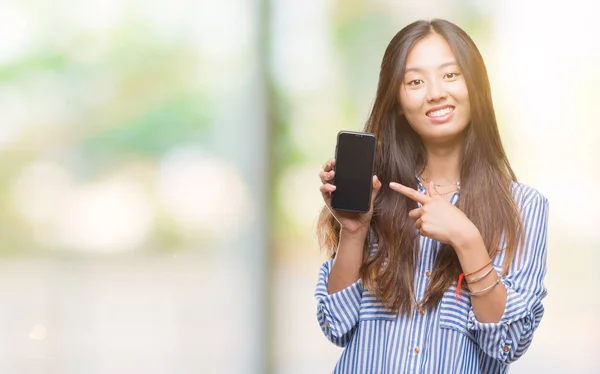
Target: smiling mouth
(440,112)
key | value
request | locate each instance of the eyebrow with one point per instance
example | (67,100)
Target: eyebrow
(444,65)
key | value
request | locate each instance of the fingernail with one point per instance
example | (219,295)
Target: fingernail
(328,164)
(330,175)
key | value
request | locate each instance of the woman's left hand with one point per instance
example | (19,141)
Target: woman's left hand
(437,218)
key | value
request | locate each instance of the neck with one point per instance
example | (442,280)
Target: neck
(443,163)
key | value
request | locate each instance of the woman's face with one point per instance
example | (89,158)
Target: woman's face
(433,93)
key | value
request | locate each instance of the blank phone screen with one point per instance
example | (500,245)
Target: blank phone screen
(353,172)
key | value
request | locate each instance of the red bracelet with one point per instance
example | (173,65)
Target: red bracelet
(462,275)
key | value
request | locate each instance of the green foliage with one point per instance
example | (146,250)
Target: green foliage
(154,130)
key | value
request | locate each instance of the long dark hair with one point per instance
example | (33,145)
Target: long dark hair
(486,177)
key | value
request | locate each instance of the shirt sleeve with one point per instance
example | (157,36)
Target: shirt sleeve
(337,313)
(510,338)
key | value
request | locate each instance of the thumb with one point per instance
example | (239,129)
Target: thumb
(431,190)
(376,187)
(376,183)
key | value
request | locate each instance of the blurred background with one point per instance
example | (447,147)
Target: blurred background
(159,160)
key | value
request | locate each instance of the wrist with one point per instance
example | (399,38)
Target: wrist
(467,239)
(355,232)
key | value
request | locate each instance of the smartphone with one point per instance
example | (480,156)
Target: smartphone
(354,166)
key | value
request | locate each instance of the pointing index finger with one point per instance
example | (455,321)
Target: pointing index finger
(410,193)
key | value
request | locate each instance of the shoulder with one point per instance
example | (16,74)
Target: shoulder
(525,196)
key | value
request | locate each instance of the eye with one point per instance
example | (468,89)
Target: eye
(451,75)
(415,82)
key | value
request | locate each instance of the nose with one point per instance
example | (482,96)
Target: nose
(435,91)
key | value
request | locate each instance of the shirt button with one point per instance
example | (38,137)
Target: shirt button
(427,273)
(506,348)
(417,350)
(422,312)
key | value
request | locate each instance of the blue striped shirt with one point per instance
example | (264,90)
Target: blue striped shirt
(447,338)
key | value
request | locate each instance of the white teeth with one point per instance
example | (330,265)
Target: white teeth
(441,112)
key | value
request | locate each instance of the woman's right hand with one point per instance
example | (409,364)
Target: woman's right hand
(351,222)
